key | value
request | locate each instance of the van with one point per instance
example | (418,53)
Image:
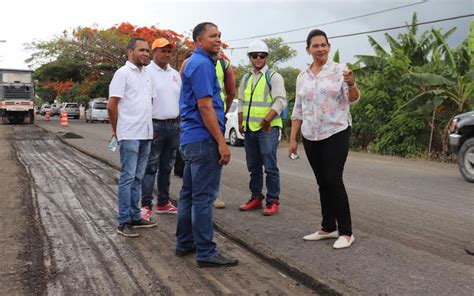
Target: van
(96,110)
(55,109)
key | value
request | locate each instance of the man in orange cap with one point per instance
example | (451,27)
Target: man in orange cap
(167,84)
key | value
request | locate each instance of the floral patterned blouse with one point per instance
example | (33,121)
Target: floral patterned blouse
(322,102)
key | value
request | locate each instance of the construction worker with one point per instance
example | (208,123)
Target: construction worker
(225,77)
(262,98)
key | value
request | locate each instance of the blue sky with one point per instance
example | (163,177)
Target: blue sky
(236,19)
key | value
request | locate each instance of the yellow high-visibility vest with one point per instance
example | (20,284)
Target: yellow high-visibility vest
(221,66)
(258,102)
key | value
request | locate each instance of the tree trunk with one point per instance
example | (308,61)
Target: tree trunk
(431,132)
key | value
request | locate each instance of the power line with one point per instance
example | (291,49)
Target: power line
(373,31)
(330,23)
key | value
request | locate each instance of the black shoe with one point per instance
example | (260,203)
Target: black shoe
(217,261)
(127,231)
(180,253)
(142,223)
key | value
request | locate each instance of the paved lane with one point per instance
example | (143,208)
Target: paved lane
(411,220)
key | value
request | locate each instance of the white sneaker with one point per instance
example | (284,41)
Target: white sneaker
(342,242)
(316,236)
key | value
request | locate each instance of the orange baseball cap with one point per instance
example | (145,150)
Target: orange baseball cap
(161,42)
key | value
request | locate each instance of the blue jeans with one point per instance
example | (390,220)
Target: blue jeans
(261,151)
(133,158)
(202,174)
(160,162)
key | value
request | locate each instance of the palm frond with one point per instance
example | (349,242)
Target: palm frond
(379,50)
(448,54)
(428,79)
(394,44)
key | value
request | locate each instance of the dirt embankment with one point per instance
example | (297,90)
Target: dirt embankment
(22,269)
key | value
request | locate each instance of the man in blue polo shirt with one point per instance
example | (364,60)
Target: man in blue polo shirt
(203,148)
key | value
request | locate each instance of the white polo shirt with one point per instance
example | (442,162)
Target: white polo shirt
(135,90)
(167,85)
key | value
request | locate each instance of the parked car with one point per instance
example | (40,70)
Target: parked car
(55,109)
(96,110)
(45,108)
(461,142)
(232,134)
(72,109)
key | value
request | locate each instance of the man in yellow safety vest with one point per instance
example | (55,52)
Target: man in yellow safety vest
(262,99)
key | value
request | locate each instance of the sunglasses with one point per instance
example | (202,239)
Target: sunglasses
(258,55)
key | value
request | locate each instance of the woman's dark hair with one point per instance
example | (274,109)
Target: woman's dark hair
(314,33)
(200,29)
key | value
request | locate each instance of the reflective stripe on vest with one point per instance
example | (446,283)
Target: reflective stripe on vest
(257,103)
(220,73)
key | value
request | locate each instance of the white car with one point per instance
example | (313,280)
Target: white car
(72,109)
(97,111)
(232,134)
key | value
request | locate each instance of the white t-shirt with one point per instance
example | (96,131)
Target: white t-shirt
(167,85)
(134,88)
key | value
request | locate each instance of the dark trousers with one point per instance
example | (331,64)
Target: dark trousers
(201,180)
(179,165)
(327,158)
(160,162)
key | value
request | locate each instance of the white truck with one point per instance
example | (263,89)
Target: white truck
(17,96)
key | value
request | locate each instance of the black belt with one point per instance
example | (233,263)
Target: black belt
(172,120)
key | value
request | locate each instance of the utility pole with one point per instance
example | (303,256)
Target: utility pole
(1,57)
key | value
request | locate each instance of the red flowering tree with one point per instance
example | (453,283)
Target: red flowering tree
(97,54)
(60,87)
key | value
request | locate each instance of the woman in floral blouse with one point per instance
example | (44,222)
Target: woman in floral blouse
(321,111)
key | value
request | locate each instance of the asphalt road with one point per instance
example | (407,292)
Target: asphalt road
(411,220)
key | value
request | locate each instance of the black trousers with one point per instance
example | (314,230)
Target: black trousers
(327,158)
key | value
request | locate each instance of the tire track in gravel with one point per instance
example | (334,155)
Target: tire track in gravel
(75,229)
(76,198)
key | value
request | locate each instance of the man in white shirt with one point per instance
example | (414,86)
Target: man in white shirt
(129,107)
(167,84)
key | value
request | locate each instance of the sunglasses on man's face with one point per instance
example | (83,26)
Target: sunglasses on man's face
(258,55)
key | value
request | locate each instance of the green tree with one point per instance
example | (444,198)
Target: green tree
(289,75)
(410,93)
(279,52)
(454,86)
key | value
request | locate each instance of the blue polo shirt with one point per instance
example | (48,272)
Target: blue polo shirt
(199,81)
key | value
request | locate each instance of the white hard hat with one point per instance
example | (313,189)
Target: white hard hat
(258,46)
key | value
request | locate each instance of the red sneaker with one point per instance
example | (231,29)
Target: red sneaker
(271,209)
(167,209)
(253,204)
(146,213)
